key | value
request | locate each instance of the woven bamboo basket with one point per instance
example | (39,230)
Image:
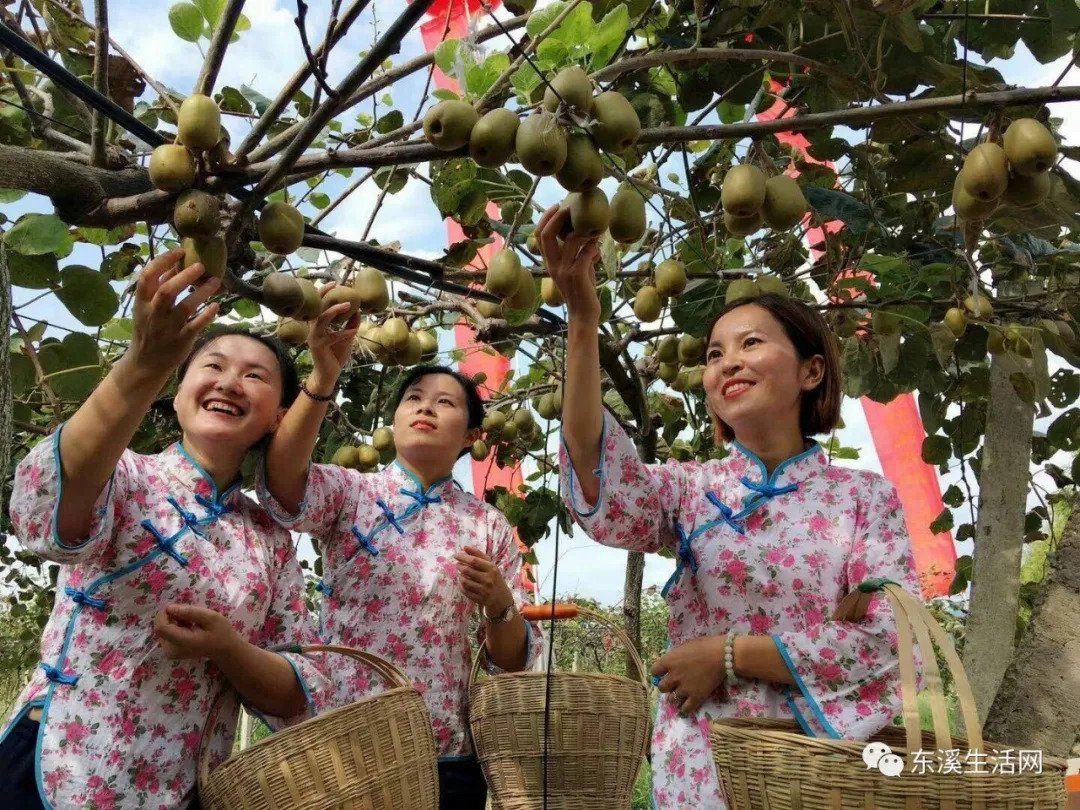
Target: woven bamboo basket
(375,754)
(598,727)
(772,765)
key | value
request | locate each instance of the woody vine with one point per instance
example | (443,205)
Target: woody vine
(954,274)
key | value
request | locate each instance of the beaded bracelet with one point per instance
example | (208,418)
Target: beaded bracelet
(316,397)
(729,657)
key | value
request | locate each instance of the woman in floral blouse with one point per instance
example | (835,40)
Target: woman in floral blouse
(768,540)
(173,585)
(407,555)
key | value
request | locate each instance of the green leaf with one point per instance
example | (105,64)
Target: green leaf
(942,523)
(246,308)
(525,80)
(186,21)
(72,367)
(232,100)
(10,195)
(33,272)
(1065,388)
(695,308)
(1062,431)
(445,95)
(953,497)
(905,28)
(608,35)
(889,347)
(211,10)
(389,122)
(120,329)
(480,78)
(112,236)
(451,181)
(446,55)
(392,178)
(936,449)
(23,376)
(1023,386)
(516,317)
(544,17)
(35,234)
(607,305)
(261,102)
(242,24)
(832,204)
(319,200)
(121,263)
(87,295)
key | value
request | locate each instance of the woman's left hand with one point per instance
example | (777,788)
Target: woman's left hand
(692,671)
(482,582)
(187,631)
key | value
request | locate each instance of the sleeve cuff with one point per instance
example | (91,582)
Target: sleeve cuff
(101,523)
(576,496)
(807,695)
(271,505)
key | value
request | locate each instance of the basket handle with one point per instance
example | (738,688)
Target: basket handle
(558,611)
(389,672)
(912,617)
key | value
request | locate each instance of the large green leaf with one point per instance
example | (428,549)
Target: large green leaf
(23,376)
(608,35)
(696,306)
(542,18)
(186,21)
(33,272)
(10,195)
(35,234)
(480,78)
(211,10)
(72,367)
(832,204)
(87,295)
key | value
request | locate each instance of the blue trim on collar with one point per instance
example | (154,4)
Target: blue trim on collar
(771,479)
(217,499)
(420,484)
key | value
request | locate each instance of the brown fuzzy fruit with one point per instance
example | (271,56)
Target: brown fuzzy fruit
(172,168)
(448,124)
(210,251)
(281,228)
(196,213)
(282,294)
(198,125)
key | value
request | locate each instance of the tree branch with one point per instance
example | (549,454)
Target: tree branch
(314,68)
(216,54)
(99,123)
(42,378)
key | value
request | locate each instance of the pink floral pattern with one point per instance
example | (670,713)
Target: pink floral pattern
(762,556)
(390,582)
(121,723)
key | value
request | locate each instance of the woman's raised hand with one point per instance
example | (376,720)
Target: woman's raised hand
(571,263)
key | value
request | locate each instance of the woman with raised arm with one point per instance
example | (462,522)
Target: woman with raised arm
(768,540)
(173,585)
(407,555)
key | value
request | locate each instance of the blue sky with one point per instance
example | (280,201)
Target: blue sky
(268,54)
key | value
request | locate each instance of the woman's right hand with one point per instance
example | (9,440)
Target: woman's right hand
(330,348)
(164,330)
(571,263)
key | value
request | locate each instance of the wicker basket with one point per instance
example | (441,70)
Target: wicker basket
(772,765)
(376,754)
(598,729)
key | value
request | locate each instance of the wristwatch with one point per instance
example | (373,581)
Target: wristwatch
(505,616)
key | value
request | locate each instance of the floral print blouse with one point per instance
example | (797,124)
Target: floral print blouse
(760,555)
(390,582)
(121,723)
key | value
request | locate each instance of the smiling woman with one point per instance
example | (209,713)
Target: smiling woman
(165,566)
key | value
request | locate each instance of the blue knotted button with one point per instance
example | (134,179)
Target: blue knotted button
(390,517)
(323,588)
(686,553)
(725,512)
(422,498)
(365,541)
(83,598)
(56,676)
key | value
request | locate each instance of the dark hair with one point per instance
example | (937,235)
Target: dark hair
(290,380)
(819,409)
(473,402)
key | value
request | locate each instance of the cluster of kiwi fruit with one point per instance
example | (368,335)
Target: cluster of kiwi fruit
(500,425)
(393,343)
(298,300)
(175,167)
(751,200)
(1017,172)
(1013,337)
(366,457)
(668,280)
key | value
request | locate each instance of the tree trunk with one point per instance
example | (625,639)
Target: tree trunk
(6,431)
(999,535)
(1036,706)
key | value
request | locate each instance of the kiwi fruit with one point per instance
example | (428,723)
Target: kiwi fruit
(574,88)
(979,306)
(743,226)
(382,439)
(540,144)
(550,292)
(210,250)
(772,285)
(198,124)
(492,139)
(969,207)
(196,213)
(429,344)
(670,277)
(489,310)
(667,351)
(956,320)
(346,457)
(1027,191)
(583,168)
(366,456)
(627,223)
(523,420)
(524,297)
(1030,147)
(668,372)
(546,407)
(589,212)
(494,421)
(690,349)
(503,273)
(885,322)
(695,377)
(986,172)
(741,288)
(743,191)
(395,334)
(292,333)
(342,295)
(532,244)
(509,432)
(282,295)
(281,228)
(784,205)
(995,341)
(616,126)
(647,304)
(370,285)
(172,168)
(373,340)
(412,353)
(479,450)
(681,382)
(449,124)
(312,307)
